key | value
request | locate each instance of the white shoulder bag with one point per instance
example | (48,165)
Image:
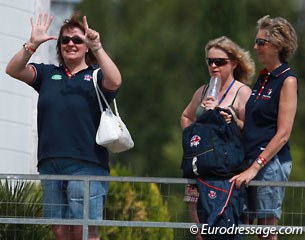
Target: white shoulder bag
(112,133)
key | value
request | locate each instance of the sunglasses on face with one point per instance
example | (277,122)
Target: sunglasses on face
(217,61)
(261,41)
(67,39)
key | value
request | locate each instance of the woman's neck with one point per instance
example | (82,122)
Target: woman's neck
(75,68)
(272,65)
(226,84)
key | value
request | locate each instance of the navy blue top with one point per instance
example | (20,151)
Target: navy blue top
(262,113)
(69,114)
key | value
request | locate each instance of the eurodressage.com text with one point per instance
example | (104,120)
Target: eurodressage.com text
(248,230)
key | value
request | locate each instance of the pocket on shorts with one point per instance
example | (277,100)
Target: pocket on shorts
(286,170)
(282,170)
(275,171)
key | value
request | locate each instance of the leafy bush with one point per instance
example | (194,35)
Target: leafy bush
(21,199)
(135,202)
(126,201)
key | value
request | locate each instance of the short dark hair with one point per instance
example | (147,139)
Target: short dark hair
(71,23)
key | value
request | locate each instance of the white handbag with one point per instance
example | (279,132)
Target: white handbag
(112,133)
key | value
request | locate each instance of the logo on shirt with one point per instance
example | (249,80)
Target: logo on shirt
(56,77)
(195,141)
(87,78)
(268,95)
(212,194)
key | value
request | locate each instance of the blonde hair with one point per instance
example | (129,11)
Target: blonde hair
(280,33)
(245,65)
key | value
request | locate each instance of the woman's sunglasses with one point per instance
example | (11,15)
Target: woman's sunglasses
(217,61)
(67,39)
(261,41)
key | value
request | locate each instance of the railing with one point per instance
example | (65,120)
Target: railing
(165,185)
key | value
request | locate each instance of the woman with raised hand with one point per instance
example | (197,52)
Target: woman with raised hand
(68,117)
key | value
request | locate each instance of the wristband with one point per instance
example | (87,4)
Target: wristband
(29,49)
(264,160)
(259,161)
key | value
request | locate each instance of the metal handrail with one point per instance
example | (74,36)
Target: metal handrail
(86,222)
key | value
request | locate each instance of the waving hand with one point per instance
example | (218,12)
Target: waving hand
(39,33)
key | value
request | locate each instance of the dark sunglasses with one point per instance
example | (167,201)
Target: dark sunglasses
(217,61)
(67,39)
(261,41)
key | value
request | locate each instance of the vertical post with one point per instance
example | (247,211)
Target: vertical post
(86,209)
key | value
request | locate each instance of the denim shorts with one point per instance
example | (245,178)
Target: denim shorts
(64,199)
(265,201)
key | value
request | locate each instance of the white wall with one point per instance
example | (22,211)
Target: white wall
(18,141)
(18,131)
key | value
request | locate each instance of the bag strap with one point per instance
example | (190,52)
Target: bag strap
(100,93)
(204,91)
(228,198)
(237,94)
(94,75)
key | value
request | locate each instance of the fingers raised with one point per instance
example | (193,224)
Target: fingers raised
(32,21)
(85,23)
(44,19)
(39,19)
(40,28)
(48,23)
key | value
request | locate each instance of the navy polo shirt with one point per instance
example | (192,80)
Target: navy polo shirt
(68,114)
(262,113)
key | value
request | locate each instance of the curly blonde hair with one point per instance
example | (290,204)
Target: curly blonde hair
(245,65)
(280,33)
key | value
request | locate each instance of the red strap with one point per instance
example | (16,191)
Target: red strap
(228,199)
(216,188)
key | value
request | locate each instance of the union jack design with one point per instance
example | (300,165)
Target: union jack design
(195,141)
(87,77)
(212,194)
